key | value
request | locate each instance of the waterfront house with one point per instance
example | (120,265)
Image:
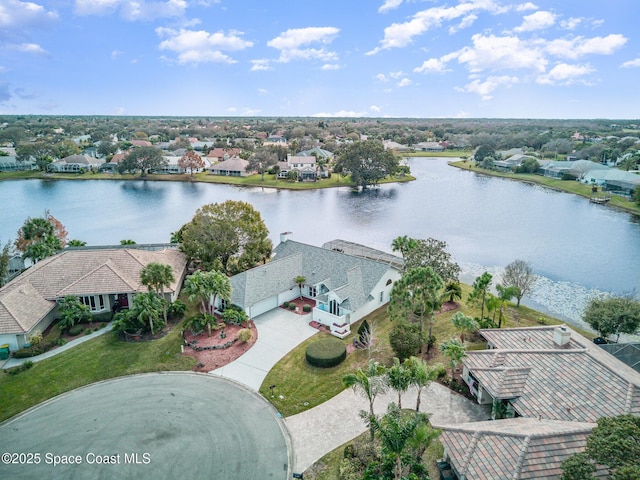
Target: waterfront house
(233,167)
(345,280)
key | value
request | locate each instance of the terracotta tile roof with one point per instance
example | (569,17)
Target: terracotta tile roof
(516,448)
(83,271)
(581,383)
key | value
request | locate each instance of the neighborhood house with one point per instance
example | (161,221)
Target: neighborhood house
(344,286)
(102,278)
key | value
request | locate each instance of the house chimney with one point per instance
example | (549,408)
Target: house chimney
(284,236)
(561,336)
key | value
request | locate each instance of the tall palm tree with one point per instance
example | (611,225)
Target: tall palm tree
(421,375)
(148,308)
(399,378)
(207,287)
(156,276)
(403,244)
(369,383)
(464,324)
(452,291)
(299,280)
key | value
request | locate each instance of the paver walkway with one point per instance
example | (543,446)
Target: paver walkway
(320,430)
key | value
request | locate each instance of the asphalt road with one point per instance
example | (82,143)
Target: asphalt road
(163,425)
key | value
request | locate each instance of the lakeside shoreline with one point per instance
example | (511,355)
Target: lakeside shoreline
(558,185)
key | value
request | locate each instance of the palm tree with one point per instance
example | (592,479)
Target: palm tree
(505,294)
(369,383)
(454,351)
(148,307)
(299,280)
(395,432)
(399,378)
(156,276)
(452,291)
(421,375)
(464,324)
(76,243)
(207,287)
(403,244)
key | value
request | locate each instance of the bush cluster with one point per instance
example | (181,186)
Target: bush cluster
(75,330)
(285,305)
(326,352)
(34,350)
(20,368)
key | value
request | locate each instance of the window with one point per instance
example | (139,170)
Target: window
(312,292)
(90,301)
(382,296)
(389,282)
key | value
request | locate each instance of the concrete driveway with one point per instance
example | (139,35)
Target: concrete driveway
(162,425)
(279,332)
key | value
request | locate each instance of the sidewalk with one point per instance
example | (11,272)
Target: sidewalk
(14,362)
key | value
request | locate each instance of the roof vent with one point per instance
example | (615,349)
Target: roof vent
(561,336)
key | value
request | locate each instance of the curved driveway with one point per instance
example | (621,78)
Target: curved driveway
(163,425)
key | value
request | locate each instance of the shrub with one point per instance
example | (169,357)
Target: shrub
(285,305)
(35,338)
(24,353)
(292,306)
(233,316)
(244,335)
(405,340)
(75,330)
(101,317)
(326,352)
(20,368)
(176,309)
(306,308)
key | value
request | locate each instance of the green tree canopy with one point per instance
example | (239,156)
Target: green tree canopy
(368,162)
(41,237)
(5,257)
(368,382)
(143,160)
(262,160)
(481,287)
(156,276)
(229,236)
(40,152)
(613,315)
(454,350)
(483,152)
(72,311)
(432,253)
(464,324)
(399,378)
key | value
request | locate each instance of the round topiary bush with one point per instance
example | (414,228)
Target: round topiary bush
(292,306)
(326,352)
(285,305)
(306,308)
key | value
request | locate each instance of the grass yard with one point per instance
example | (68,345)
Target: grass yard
(570,186)
(303,387)
(98,359)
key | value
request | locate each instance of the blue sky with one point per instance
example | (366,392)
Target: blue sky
(375,58)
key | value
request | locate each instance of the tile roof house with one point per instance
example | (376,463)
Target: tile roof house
(305,166)
(219,154)
(515,448)
(556,383)
(101,277)
(345,287)
(552,372)
(75,163)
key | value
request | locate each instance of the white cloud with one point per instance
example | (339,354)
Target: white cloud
(485,88)
(571,23)
(405,82)
(330,66)
(374,108)
(260,64)
(16,15)
(501,53)
(577,47)
(466,22)
(340,113)
(433,65)
(132,9)
(389,5)
(381,77)
(526,6)
(564,74)
(201,46)
(631,63)
(401,34)
(31,48)
(263,91)
(536,21)
(290,42)
(116,53)
(462,114)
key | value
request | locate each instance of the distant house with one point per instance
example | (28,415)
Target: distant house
(219,154)
(568,170)
(75,163)
(395,146)
(346,287)
(9,161)
(428,147)
(511,163)
(100,277)
(317,152)
(276,141)
(304,165)
(141,143)
(233,167)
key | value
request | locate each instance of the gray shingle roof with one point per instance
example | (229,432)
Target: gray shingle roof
(353,278)
(516,448)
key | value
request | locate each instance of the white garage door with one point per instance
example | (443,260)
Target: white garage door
(264,306)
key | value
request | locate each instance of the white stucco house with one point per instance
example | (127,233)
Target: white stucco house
(101,277)
(347,281)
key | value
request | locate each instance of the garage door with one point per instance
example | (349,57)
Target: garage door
(264,306)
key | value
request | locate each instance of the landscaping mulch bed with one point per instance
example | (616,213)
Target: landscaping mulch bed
(299,303)
(211,359)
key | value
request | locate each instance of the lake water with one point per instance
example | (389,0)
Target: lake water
(577,248)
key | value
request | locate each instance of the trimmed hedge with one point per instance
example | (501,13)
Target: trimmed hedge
(306,308)
(292,306)
(75,330)
(326,352)
(285,305)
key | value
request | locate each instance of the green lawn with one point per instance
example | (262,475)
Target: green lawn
(251,181)
(303,386)
(98,359)
(570,186)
